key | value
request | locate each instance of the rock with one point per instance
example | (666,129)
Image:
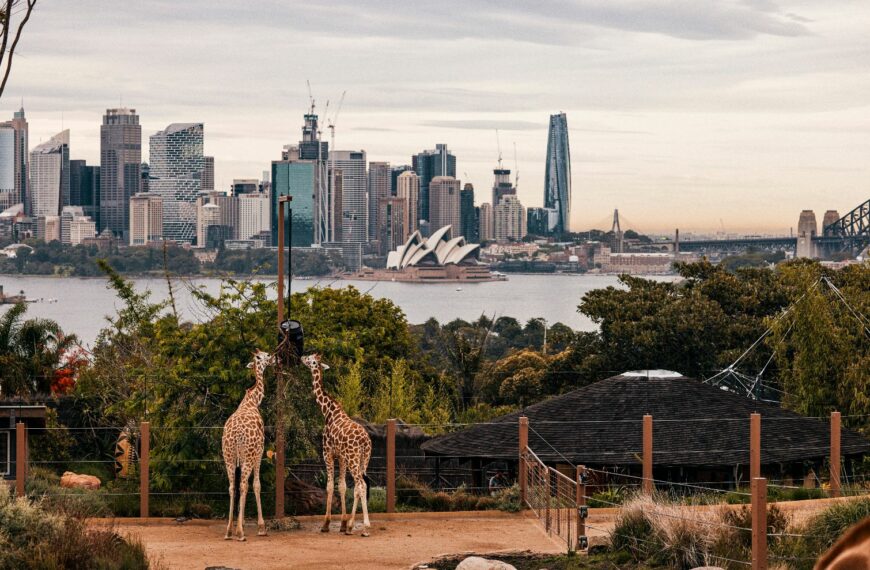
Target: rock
(304,499)
(72,480)
(478,563)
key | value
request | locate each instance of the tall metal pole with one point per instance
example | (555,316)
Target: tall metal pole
(280,444)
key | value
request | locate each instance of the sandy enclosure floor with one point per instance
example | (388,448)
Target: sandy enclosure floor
(397,541)
(394,542)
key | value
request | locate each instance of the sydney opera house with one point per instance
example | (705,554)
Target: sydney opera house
(440,257)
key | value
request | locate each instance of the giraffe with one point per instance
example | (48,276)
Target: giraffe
(347,441)
(243,447)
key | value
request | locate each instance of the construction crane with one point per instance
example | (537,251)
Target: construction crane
(498,142)
(516,168)
(330,124)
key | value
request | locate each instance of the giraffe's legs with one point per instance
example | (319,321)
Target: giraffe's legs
(243,492)
(359,492)
(342,491)
(231,474)
(365,505)
(261,524)
(330,484)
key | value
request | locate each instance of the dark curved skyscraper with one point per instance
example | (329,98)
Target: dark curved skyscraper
(557,184)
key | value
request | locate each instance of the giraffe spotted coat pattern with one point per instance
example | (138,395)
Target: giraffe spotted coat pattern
(343,440)
(242,444)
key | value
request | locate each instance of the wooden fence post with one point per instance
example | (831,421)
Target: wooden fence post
(523,444)
(144,458)
(391,466)
(754,446)
(648,454)
(759,523)
(581,502)
(545,473)
(835,454)
(20,458)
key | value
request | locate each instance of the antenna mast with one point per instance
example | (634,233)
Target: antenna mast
(330,123)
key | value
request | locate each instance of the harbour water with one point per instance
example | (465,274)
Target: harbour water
(81,306)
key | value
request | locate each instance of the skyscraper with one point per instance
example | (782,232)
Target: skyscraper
(146,218)
(176,175)
(557,181)
(8,195)
(21,160)
(120,168)
(444,203)
(208,173)
(408,188)
(84,188)
(429,164)
(49,176)
(354,201)
(468,215)
(379,189)
(312,148)
(253,214)
(509,219)
(296,178)
(485,221)
(392,225)
(501,185)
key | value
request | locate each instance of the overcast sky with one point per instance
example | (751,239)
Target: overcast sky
(682,113)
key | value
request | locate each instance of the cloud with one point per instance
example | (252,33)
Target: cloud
(486,125)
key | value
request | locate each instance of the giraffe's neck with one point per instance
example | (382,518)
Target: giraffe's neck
(255,394)
(328,406)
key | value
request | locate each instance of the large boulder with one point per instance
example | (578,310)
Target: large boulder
(478,563)
(72,480)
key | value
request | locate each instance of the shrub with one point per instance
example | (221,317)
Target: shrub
(633,532)
(508,499)
(31,536)
(821,531)
(610,497)
(410,490)
(78,503)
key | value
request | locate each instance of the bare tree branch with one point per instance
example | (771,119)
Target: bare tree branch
(6,57)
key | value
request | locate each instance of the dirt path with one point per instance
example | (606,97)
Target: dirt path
(398,542)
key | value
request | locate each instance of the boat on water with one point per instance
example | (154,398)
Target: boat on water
(11,299)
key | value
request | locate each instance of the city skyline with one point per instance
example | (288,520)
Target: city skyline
(679,117)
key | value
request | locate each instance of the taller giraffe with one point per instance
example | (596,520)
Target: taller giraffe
(243,446)
(345,440)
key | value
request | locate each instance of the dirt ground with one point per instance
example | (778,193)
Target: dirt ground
(397,541)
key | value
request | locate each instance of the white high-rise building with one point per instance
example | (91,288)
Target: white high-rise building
(8,195)
(176,170)
(82,228)
(67,215)
(509,219)
(253,215)
(146,218)
(207,215)
(49,176)
(444,203)
(354,194)
(408,188)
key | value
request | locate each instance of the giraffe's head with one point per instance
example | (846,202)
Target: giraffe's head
(313,362)
(261,360)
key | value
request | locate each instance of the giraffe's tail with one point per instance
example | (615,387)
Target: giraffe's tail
(237,480)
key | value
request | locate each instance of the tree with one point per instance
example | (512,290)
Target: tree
(822,345)
(31,352)
(350,389)
(14,15)
(395,397)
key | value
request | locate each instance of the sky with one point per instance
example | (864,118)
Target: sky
(702,115)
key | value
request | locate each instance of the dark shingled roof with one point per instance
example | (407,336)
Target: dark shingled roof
(601,424)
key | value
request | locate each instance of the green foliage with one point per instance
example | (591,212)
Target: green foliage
(30,353)
(821,346)
(822,530)
(350,389)
(396,396)
(31,536)
(303,263)
(82,261)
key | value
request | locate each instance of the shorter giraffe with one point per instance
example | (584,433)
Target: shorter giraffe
(243,447)
(347,441)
